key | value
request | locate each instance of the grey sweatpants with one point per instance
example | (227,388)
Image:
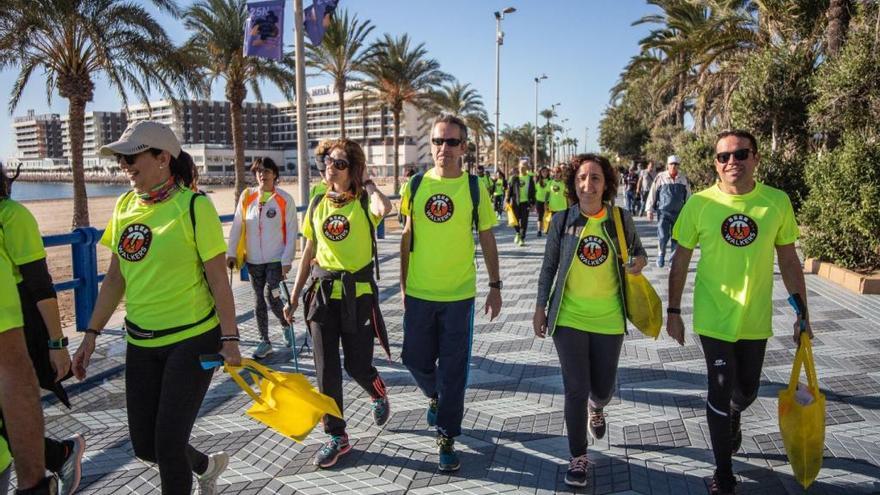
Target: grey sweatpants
(589,372)
(264,280)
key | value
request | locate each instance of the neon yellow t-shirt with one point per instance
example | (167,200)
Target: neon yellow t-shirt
(556,197)
(441,266)
(343,242)
(737,235)
(319,188)
(591,298)
(20,241)
(541,191)
(499,187)
(485,181)
(523,189)
(162,263)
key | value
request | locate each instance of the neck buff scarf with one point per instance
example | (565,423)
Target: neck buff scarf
(159,193)
(338,199)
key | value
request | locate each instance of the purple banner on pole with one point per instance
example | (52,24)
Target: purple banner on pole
(317,18)
(264,30)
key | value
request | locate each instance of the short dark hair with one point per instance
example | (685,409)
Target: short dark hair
(266,163)
(448,118)
(740,133)
(608,172)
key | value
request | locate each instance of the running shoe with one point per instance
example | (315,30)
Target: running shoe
(448,456)
(736,434)
(577,471)
(716,487)
(263,350)
(661,261)
(70,473)
(289,337)
(381,410)
(332,451)
(431,413)
(596,424)
(516,239)
(208,480)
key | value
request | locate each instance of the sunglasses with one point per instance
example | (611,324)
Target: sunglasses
(130,159)
(338,163)
(450,141)
(740,154)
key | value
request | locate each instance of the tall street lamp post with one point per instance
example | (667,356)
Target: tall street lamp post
(550,133)
(499,40)
(535,147)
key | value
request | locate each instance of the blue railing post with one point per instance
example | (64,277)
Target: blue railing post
(85,270)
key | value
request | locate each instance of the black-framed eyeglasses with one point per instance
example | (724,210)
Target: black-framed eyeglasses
(338,163)
(449,141)
(739,155)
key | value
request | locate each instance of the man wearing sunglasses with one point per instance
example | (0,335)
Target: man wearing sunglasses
(739,224)
(666,198)
(438,279)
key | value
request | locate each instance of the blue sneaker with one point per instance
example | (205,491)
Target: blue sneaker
(661,261)
(381,410)
(289,337)
(263,350)
(431,413)
(448,456)
(332,451)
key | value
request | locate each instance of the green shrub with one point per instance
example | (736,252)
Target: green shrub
(785,171)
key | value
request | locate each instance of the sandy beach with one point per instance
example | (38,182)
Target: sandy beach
(54,217)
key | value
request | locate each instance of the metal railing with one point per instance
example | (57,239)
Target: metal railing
(83,244)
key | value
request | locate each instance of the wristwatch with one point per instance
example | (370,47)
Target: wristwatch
(496,285)
(58,344)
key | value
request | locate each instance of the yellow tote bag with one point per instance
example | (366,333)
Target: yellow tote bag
(643,306)
(802,424)
(511,216)
(548,215)
(287,402)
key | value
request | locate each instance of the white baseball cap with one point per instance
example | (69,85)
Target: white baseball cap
(673,159)
(141,136)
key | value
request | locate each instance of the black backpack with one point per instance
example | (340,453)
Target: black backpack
(473,185)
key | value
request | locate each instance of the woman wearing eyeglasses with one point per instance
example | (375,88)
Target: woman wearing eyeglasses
(263,235)
(168,262)
(339,293)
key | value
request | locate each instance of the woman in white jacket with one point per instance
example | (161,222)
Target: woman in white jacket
(263,235)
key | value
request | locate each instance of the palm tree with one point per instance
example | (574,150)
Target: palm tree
(216,45)
(458,99)
(398,74)
(480,125)
(72,42)
(341,54)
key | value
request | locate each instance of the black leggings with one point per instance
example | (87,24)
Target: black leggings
(734,373)
(539,207)
(499,203)
(522,216)
(357,347)
(589,373)
(164,388)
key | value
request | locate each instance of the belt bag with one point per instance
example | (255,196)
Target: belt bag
(139,333)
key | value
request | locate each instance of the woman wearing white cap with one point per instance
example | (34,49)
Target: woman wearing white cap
(169,265)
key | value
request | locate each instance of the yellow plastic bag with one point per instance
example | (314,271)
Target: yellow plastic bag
(548,215)
(511,216)
(643,306)
(287,402)
(802,417)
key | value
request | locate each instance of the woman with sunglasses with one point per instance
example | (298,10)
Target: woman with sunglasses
(581,304)
(168,262)
(263,235)
(339,293)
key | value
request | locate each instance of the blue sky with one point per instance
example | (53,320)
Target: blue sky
(582,45)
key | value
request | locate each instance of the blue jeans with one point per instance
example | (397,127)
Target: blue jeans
(436,350)
(665,222)
(631,202)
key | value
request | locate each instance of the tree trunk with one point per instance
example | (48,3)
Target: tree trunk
(838,15)
(394,141)
(236,94)
(340,94)
(76,130)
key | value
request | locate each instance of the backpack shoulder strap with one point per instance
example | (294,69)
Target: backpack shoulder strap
(192,210)
(414,183)
(474,185)
(365,205)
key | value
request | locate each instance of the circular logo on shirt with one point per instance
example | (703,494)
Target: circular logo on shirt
(134,243)
(739,230)
(592,251)
(439,208)
(271,212)
(555,188)
(336,227)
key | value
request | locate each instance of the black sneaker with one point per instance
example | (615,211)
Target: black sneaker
(577,471)
(448,456)
(596,424)
(431,413)
(717,488)
(381,410)
(332,451)
(736,434)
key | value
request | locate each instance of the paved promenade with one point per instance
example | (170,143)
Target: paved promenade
(513,440)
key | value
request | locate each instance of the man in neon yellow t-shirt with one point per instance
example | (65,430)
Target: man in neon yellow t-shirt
(738,224)
(438,279)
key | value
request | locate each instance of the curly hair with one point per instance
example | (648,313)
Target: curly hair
(609,172)
(356,159)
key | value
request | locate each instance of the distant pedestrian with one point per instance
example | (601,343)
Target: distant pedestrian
(521,197)
(630,184)
(542,189)
(667,197)
(646,179)
(498,193)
